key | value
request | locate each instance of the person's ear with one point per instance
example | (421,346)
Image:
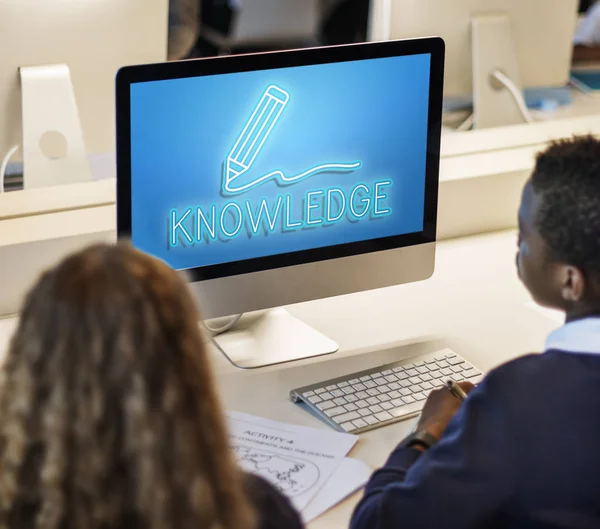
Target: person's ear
(573,284)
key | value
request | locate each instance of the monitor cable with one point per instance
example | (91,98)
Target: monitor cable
(517,95)
(4,165)
(215,331)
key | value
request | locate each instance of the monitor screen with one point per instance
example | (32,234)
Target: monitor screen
(238,167)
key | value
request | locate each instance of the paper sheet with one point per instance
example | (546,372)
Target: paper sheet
(349,477)
(295,459)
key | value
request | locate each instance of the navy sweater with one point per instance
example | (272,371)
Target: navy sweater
(522,452)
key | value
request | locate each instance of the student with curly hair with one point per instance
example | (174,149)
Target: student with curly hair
(110,416)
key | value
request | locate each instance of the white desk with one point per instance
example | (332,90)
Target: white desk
(474,303)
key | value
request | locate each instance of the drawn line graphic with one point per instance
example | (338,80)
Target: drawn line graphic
(252,139)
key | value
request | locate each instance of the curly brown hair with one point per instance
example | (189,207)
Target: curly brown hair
(110,417)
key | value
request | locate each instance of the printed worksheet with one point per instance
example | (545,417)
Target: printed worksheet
(295,459)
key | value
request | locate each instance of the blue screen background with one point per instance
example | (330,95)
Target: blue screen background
(182,130)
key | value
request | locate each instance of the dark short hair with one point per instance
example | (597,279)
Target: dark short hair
(566,178)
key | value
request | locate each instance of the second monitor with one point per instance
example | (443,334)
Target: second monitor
(495,48)
(280,178)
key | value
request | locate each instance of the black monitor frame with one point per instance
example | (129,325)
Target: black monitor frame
(432,46)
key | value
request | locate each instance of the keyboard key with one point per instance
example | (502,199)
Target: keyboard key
(387,372)
(384,398)
(376,408)
(315,399)
(406,410)
(363,403)
(426,377)
(397,403)
(343,384)
(351,407)
(354,381)
(309,394)
(349,390)
(476,379)
(415,381)
(412,372)
(360,423)
(419,396)
(373,392)
(331,388)
(405,392)
(340,401)
(403,375)
(430,361)
(370,384)
(379,381)
(371,420)
(419,363)
(447,372)
(326,405)
(391,378)
(398,369)
(427,386)
(365,378)
(408,400)
(319,391)
(386,405)
(364,412)
(383,416)
(470,373)
(456,369)
(450,355)
(394,386)
(443,363)
(422,370)
(456,361)
(326,396)
(394,394)
(350,416)
(351,398)
(436,373)
(348,426)
(359,387)
(337,393)
(362,395)
(332,412)
(406,384)
(440,358)
(373,400)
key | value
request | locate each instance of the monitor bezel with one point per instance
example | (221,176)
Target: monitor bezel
(432,46)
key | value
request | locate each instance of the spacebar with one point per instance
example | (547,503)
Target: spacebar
(408,409)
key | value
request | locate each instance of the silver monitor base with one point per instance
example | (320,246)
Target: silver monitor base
(272,337)
(493,49)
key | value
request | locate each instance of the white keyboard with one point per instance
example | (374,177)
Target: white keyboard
(384,395)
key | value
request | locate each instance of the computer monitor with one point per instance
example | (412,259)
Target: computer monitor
(280,178)
(529,42)
(59,41)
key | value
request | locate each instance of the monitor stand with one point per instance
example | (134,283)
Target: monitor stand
(53,147)
(493,50)
(271,337)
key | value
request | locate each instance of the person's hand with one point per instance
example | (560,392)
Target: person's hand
(440,407)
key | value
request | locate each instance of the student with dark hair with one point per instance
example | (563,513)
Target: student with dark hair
(522,451)
(110,414)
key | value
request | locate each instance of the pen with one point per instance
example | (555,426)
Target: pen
(456,390)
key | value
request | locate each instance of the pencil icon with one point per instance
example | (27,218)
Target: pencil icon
(251,141)
(255,134)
